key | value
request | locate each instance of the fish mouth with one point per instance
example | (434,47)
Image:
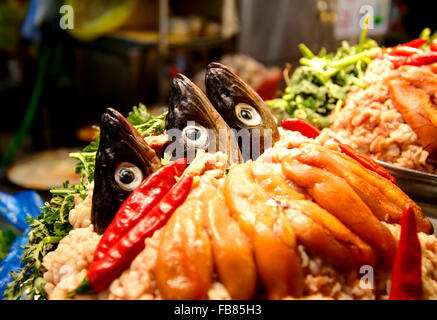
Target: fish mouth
(223,87)
(114,124)
(187,99)
(225,90)
(117,128)
(189,107)
(229,94)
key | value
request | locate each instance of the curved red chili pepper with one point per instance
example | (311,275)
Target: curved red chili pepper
(402,50)
(406,279)
(295,124)
(104,270)
(422,59)
(416,43)
(366,161)
(139,202)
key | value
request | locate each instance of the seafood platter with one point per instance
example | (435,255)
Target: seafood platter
(227,196)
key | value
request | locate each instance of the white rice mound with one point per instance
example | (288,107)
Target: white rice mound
(370,123)
(68,264)
(80,215)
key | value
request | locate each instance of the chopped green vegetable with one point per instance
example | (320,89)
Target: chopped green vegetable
(321,81)
(7,237)
(86,159)
(426,33)
(145,123)
(306,52)
(52,224)
(166,158)
(338,106)
(364,33)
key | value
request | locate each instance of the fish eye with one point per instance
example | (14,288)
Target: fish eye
(247,114)
(196,136)
(128,176)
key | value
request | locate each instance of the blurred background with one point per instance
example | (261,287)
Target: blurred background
(55,82)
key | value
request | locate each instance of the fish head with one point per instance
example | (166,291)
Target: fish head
(192,123)
(242,109)
(123,161)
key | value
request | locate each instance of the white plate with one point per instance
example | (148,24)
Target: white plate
(44,170)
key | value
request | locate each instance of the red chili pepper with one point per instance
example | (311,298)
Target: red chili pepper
(402,50)
(104,270)
(139,202)
(366,161)
(416,43)
(433,46)
(406,278)
(295,124)
(418,59)
(397,61)
(422,59)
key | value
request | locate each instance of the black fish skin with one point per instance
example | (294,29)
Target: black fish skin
(188,103)
(119,142)
(226,90)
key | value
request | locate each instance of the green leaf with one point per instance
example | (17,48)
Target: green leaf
(139,115)
(145,123)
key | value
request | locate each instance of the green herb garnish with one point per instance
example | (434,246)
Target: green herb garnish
(145,123)
(47,230)
(321,83)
